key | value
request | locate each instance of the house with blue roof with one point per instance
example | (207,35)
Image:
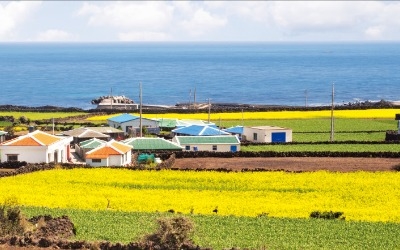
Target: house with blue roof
(217,143)
(198,130)
(237,130)
(167,124)
(130,124)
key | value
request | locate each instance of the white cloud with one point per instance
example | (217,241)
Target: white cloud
(143,36)
(55,35)
(13,14)
(141,15)
(202,22)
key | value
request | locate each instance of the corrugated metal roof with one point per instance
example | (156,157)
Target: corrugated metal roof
(123,118)
(234,130)
(167,123)
(85,133)
(36,138)
(92,143)
(152,144)
(121,147)
(106,130)
(225,139)
(199,130)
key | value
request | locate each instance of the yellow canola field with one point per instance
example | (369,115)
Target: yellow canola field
(363,196)
(360,114)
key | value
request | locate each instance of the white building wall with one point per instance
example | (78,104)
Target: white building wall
(209,147)
(264,135)
(104,162)
(115,160)
(34,154)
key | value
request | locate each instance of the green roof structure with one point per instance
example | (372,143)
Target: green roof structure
(92,143)
(148,143)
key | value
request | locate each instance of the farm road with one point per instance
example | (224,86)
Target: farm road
(339,164)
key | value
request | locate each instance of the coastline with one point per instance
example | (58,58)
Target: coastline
(221,107)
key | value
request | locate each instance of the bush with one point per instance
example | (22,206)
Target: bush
(327,215)
(173,233)
(11,220)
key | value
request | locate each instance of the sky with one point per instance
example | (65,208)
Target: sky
(215,21)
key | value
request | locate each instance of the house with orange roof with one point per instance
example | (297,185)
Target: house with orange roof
(36,147)
(112,153)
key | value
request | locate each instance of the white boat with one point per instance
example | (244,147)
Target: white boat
(115,102)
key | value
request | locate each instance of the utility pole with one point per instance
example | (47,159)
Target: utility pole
(332,119)
(112,99)
(194,98)
(190,98)
(140,110)
(209,110)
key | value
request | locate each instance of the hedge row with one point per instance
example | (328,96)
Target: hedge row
(12,164)
(247,143)
(203,154)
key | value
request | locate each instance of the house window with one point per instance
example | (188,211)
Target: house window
(96,160)
(214,147)
(187,147)
(254,136)
(12,157)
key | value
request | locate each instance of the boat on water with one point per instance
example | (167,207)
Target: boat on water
(115,102)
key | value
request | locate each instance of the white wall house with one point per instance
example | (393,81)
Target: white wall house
(223,143)
(129,123)
(267,134)
(36,147)
(113,153)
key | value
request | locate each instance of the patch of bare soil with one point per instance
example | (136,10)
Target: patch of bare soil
(290,163)
(48,232)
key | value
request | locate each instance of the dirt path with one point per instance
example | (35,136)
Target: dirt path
(291,163)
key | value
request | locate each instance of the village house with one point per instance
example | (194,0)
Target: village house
(267,134)
(36,147)
(152,144)
(218,143)
(113,153)
(130,124)
(199,130)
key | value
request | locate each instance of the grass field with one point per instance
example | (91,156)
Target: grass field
(323,147)
(221,232)
(33,116)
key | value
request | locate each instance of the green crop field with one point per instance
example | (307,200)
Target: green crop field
(221,232)
(40,115)
(323,148)
(318,125)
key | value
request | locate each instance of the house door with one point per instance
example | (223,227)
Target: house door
(278,137)
(233,148)
(56,157)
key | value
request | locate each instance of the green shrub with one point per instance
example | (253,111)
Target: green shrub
(11,220)
(327,215)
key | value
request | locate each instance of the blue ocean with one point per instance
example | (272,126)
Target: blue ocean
(297,74)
